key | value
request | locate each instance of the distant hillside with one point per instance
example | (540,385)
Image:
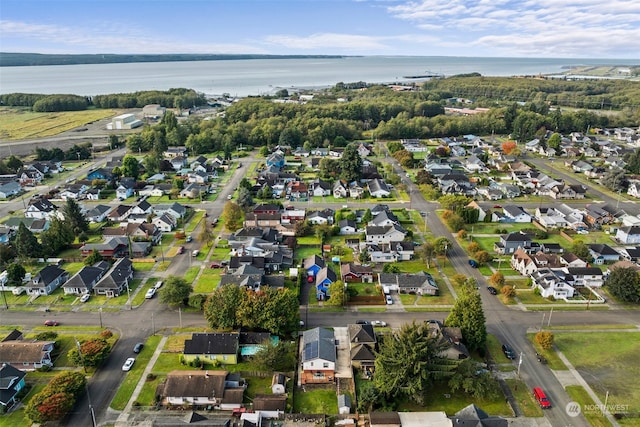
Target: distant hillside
(8,59)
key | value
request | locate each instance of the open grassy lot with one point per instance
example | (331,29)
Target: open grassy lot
(24,124)
(133,376)
(615,370)
(315,402)
(579,394)
(524,398)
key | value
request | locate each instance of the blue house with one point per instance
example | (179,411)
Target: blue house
(313,265)
(11,382)
(101,173)
(125,189)
(324,278)
(275,159)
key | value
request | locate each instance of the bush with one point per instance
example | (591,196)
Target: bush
(197,301)
(151,377)
(47,336)
(106,334)
(508,291)
(44,368)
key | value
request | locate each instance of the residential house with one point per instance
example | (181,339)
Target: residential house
(351,273)
(197,177)
(119,213)
(313,264)
(482,212)
(340,189)
(261,220)
(289,216)
(451,338)
(318,356)
(363,343)
(203,389)
(421,283)
(551,284)
(586,276)
(404,250)
(356,190)
(165,222)
(116,280)
(378,188)
(603,253)
(516,214)
(320,188)
(173,152)
(474,165)
(471,415)
(383,219)
(570,259)
(193,191)
(297,191)
(276,160)
(47,280)
(74,191)
(25,355)
(84,280)
(30,177)
(125,189)
(320,217)
(176,210)
(324,278)
(142,208)
(628,235)
(364,149)
(11,384)
(381,253)
(113,247)
(41,208)
(9,189)
(179,162)
(510,242)
(566,191)
(33,225)
(223,347)
(347,226)
(386,234)
(98,213)
(100,174)
(136,231)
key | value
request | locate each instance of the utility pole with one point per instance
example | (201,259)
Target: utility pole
(100,311)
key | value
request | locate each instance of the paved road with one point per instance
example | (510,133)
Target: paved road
(507,323)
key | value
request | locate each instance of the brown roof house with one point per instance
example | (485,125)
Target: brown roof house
(220,389)
(455,350)
(25,355)
(363,343)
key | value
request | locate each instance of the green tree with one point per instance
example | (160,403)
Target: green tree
(74,217)
(624,284)
(15,273)
(244,198)
(175,291)
(206,234)
(368,397)
(26,243)
(336,293)
(581,250)
(93,258)
(615,180)
(391,267)
(57,237)
(426,253)
(232,216)
(45,407)
(130,166)
(555,142)
(280,356)
(408,362)
(13,164)
(473,381)
(350,163)
(222,305)
(467,314)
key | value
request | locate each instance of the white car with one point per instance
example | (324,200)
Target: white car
(379,323)
(128,364)
(150,293)
(389,300)
(158,285)
(85,297)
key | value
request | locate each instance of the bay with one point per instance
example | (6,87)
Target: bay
(265,76)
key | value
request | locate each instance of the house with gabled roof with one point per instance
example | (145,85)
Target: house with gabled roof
(385,235)
(113,247)
(41,208)
(319,356)
(120,213)
(378,188)
(451,337)
(324,278)
(347,226)
(551,284)
(321,217)
(47,280)
(628,235)
(508,243)
(116,280)
(98,213)
(84,280)
(320,188)
(383,219)
(223,347)
(352,273)
(11,384)
(9,189)
(25,355)
(570,259)
(363,343)
(125,188)
(586,276)
(603,253)
(340,189)
(164,222)
(421,283)
(516,214)
(313,264)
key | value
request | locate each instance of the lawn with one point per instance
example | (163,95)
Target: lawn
(195,220)
(579,395)
(553,360)
(524,398)
(615,371)
(303,252)
(143,266)
(191,274)
(315,402)
(133,376)
(208,281)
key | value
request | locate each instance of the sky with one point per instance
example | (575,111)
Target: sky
(471,28)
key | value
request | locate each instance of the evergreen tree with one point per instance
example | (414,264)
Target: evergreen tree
(74,217)
(350,164)
(26,244)
(467,314)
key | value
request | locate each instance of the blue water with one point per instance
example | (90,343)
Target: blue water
(264,76)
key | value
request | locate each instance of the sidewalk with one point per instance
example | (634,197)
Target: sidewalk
(124,415)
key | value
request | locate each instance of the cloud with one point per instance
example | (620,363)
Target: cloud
(352,42)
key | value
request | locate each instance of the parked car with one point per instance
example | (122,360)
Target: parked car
(492,290)
(138,347)
(389,299)
(362,322)
(180,250)
(230,196)
(189,239)
(128,364)
(379,323)
(508,351)
(541,398)
(310,279)
(85,297)
(51,323)
(215,265)
(195,252)
(158,285)
(473,263)
(150,293)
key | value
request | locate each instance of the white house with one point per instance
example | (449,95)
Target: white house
(9,189)
(628,235)
(385,235)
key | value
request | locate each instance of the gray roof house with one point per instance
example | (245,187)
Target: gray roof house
(421,284)
(116,280)
(84,280)
(11,383)
(47,280)
(318,356)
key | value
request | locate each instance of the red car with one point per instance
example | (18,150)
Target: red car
(51,323)
(180,250)
(311,279)
(215,265)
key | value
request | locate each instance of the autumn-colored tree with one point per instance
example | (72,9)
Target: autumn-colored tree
(497,279)
(462,234)
(458,279)
(232,215)
(68,382)
(545,339)
(483,257)
(508,147)
(473,247)
(92,353)
(508,291)
(44,407)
